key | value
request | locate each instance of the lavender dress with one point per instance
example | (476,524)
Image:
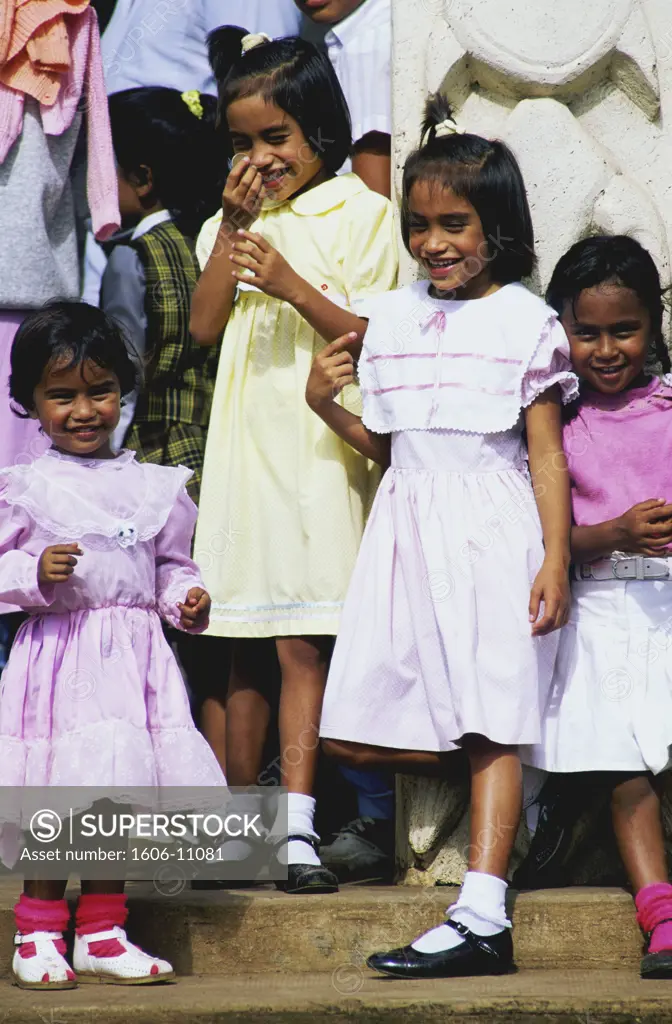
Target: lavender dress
(92,695)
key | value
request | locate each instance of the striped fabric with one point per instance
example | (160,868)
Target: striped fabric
(360,49)
(172,411)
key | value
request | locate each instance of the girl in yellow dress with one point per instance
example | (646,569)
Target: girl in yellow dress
(284,500)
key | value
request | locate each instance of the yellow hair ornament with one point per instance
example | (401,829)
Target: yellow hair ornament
(193,100)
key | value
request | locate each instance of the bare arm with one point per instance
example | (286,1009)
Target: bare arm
(331,371)
(550,481)
(645,529)
(372,161)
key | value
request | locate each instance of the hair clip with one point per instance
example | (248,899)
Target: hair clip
(193,100)
(443,128)
(253,39)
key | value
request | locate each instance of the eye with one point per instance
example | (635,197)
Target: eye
(277,140)
(240,143)
(417,225)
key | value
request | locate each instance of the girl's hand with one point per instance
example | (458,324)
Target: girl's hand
(242,197)
(333,368)
(552,587)
(646,528)
(195,612)
(270,271)
(57,563)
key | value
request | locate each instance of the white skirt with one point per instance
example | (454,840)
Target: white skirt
(610,707)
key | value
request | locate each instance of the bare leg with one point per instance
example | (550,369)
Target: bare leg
(102,887)
(412,762)
(41,889)
(248,710)
(635,809)
(303,662)
(213,727)
(496,804)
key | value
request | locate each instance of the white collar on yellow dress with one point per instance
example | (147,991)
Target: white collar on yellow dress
(328,195)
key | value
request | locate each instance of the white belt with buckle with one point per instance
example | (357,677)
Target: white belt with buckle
(622,567)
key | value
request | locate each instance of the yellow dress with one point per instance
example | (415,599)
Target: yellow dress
(284,500)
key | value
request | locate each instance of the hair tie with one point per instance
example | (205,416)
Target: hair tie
(443,128)
(253,39)
(193,100)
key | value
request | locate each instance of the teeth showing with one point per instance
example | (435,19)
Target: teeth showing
(442,263)
(275,175)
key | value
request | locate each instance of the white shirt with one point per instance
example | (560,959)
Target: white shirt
(360,49)
(163,42)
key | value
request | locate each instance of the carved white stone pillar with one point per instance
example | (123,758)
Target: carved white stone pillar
(582,92)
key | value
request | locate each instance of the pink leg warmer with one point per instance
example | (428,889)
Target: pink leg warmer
(99,913)
(33,915)
(654,915)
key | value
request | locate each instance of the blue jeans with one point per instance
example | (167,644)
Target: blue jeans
(375,792)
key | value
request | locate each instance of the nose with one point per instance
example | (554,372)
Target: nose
(436,240)
(606,350)
(261,156)
(82,409)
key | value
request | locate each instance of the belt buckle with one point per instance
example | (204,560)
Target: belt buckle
(628,568)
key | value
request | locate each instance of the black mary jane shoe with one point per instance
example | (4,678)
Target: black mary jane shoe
(656,965)
(476,955)
(306,879)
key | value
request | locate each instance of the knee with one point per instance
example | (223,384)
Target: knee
(351,754)
(629,792)
(299,653)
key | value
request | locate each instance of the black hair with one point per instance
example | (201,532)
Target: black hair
(295,76)
(488,176)
(68,330)
(612,258)
(154,127)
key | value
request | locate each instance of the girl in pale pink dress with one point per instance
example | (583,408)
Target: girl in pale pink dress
(462,573)
(95,548)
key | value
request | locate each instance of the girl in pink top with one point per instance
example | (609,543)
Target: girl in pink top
(610,707)
(96,549)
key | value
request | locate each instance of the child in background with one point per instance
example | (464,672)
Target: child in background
(284,500)
(166,152)
(610,707)
(95,548)
(359,44)
(461,574)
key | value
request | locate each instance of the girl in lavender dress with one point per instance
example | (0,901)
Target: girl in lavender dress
(95,548)
(461,573)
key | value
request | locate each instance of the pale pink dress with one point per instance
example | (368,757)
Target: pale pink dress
(435,640)
(92,695)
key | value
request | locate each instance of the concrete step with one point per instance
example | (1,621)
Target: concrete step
(535,997)
(261,931)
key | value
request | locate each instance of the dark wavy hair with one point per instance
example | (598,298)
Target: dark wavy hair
(154,127)
(74,331)
(487,175)
(614,259)
(295,76)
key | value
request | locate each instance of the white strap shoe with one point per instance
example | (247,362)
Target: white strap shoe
(119,962)
(42,965)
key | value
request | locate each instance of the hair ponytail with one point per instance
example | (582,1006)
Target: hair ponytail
(437,111)
(157,128)
(224,49)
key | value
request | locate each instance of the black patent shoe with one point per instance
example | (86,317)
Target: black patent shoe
(544,865)
(476,955)
(657,965)
(307,879)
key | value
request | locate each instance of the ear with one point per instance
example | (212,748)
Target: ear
(32,414)
(143,181)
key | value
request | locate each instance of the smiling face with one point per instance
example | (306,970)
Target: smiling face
(609,333)
(78,407)
(446,238)
(275,145)
(328,12)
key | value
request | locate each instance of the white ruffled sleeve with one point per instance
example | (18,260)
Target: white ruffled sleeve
(19,584)
(550,365)
(176,572)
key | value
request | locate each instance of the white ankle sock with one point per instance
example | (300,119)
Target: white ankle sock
(480,907)
(300,814)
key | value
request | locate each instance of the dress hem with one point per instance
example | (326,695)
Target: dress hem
(267,630)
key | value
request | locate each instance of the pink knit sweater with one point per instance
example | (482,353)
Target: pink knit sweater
(84,80)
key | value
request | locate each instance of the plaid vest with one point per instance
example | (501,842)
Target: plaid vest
(179,376)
